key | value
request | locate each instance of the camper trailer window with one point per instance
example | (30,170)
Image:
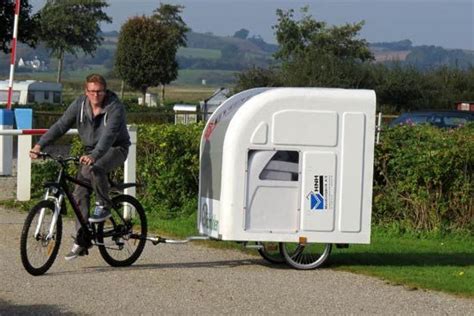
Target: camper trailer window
(283,166)
(46,95)
(31,97)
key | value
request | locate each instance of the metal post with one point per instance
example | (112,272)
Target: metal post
(13,55)
(23,175)
(129,169)
(379,127)
(6,142)
(129,172)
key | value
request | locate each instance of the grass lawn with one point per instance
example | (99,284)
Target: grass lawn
(445,264)
(437,263)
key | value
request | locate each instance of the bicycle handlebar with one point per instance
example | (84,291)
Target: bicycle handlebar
(58,158)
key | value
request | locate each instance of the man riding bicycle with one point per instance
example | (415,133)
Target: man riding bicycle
(101,122)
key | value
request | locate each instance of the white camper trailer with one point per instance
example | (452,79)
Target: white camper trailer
(31,91)
(290,165)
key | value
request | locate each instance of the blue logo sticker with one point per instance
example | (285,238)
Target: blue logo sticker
(317,201)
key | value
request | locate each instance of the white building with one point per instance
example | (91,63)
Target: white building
(185,113)
(150,100)
(31,91)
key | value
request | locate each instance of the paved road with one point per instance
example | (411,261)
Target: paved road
(192,279)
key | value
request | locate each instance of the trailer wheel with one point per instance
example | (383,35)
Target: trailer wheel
(305,257)
(270,251)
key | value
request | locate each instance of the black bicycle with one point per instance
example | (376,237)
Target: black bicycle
(120,239)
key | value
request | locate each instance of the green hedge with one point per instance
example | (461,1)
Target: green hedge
(168,167)
(423,177)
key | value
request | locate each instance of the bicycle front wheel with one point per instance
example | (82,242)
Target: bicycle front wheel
(122,237)
(40,238)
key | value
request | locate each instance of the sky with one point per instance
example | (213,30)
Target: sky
(446,23)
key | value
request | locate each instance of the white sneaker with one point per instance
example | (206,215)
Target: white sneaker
(75,252)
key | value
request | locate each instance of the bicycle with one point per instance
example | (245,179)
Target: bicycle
(120,239)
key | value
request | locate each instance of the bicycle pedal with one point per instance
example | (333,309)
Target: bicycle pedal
(84,252)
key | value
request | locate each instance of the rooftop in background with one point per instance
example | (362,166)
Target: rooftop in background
(465,106)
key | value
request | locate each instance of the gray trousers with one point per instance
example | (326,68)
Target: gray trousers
(97,176)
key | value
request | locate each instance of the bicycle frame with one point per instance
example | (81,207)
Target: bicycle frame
(61,186)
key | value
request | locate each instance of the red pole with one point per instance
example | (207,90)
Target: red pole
(13,55)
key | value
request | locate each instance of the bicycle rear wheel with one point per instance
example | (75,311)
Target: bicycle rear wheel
(270,251)
(122,237)
(37,251)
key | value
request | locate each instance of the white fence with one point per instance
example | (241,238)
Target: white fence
(23,185)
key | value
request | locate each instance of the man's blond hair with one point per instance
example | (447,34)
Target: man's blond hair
(96,78)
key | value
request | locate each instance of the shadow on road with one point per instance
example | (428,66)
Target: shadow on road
(176,265)
(8,309)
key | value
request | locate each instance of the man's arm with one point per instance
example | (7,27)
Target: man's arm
(65,122)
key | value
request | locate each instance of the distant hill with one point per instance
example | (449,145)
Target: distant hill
(206,52)
(422,57)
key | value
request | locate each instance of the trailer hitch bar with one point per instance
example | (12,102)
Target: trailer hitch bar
(157,240)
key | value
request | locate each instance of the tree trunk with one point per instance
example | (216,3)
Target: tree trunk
(162,96)
(144,96)
(60,67)
(122,87)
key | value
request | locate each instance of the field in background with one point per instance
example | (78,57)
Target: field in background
(184,94)
(188,88)
(203,53)
(186,77)
(216,78)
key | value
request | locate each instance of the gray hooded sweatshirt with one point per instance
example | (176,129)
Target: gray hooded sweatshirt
(98,134)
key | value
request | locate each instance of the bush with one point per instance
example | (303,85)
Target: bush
(168,166)
(424,178)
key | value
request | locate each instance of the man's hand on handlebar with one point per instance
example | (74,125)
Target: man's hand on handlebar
(87,160)
(35,151)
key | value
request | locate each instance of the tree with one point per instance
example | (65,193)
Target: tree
(141,57)
(258,77)
(147,47)
(313,54)
(242,34)
(26,28)
(169,16)
(299,38)
(68,26)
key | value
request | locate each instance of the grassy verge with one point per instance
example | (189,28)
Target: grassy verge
(442,263)
(438,263)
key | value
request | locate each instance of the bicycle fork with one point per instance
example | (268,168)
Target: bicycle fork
(57,210)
